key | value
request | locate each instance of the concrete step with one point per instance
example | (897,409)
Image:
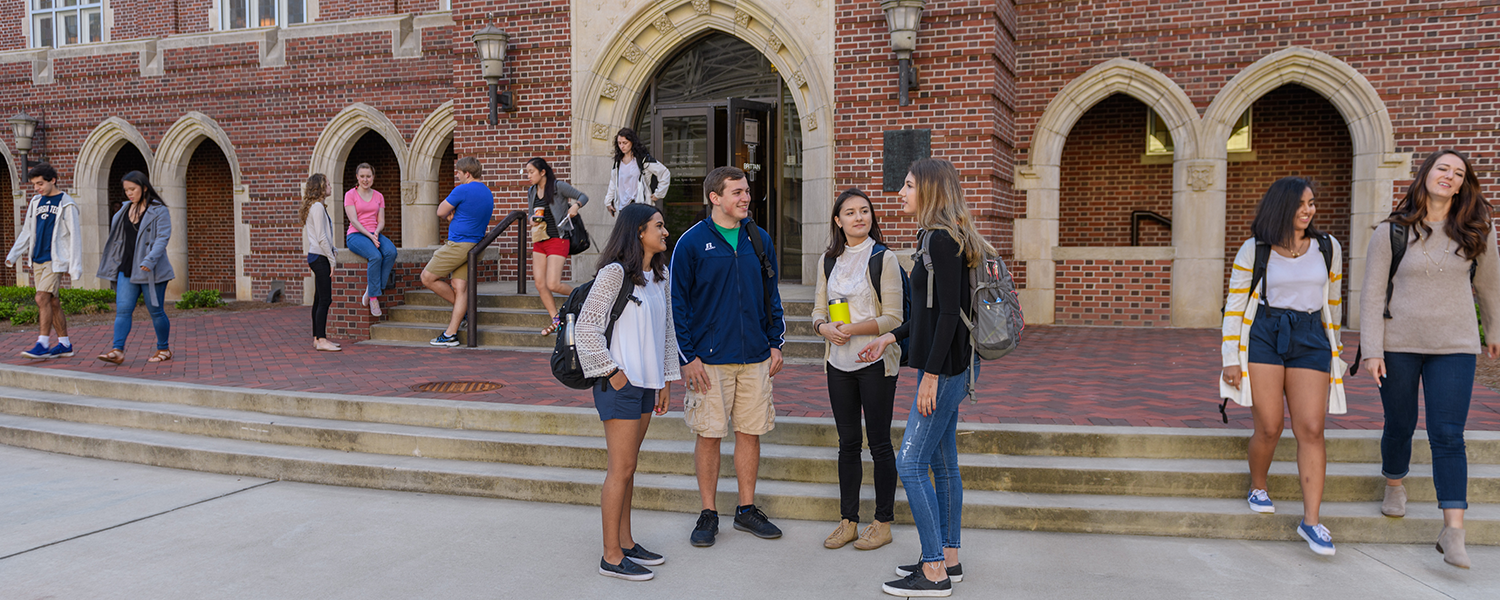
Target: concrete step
(1194,517)
(510,299)
(491,336)
(532,318)
(1198,478)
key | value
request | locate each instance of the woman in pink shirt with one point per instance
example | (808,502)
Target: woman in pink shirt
(365,209)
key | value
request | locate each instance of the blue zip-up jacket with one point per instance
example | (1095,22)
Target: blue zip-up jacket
(717,298)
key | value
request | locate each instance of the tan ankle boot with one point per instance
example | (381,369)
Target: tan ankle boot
(847,532)
(1395,501)
(876,535)
(1451,544)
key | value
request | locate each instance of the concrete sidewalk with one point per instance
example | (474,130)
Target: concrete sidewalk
(81,528)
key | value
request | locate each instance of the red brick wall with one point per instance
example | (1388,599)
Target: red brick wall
(373,149)
(348,319)
(210,221)
(967,75)
(1103,179)
(1294,132)
(1128,293)
(144,19)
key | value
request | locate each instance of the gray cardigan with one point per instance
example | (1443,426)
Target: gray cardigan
(150,248)
(560,199)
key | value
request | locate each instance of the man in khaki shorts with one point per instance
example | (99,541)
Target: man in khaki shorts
(728,315)
(49,239)
(468,209)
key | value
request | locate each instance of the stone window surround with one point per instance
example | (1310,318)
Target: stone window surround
(220,9)
(108,18)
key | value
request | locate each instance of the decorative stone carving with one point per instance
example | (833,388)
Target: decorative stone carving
(599,131)
(741,19)
(799,79)
(811,122)
(1200,177)
(611,90)
(634,53)
(664,24)
(700,6)
(774,44)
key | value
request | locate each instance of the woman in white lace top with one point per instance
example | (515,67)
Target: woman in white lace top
(636,361)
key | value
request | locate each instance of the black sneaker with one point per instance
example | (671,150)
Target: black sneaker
(755,522)
(916,585)
(955,572)
(705,530)
(642,556)
(445,340)
(627,570)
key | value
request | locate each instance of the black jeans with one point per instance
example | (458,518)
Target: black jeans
(867,390)
(322,295)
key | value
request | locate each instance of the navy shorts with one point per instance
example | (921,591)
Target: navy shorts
(629,402)
(1290,339)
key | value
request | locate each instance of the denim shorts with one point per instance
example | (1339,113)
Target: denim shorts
(1291,339)
(629,402)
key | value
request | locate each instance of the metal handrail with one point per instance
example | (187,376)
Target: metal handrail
(515,216)
(1135,224)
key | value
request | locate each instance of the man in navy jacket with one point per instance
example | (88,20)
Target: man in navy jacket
(730,338)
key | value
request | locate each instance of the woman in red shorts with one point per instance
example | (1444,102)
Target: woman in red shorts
(548,198)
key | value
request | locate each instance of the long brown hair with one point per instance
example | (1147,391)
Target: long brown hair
(312,193)
(1468,218)
(836,238)
(941,206)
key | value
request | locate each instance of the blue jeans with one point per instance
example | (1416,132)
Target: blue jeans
(1448,381)
(126,296)
(381,260)
(931,442)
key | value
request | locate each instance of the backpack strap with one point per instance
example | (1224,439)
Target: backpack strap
(1325,247)
(627,294)
(1398,251)
(922,250)
(1258,271)
(876,268)
(767,270)
(828,263)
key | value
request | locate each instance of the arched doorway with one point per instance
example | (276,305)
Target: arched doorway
(7,220)
(719,101)
(445,183)
(127,159)
(209,185)
(372,149)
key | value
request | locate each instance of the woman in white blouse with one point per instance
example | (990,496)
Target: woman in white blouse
(853,305)
(636,362)
(1281,339)
(634,171)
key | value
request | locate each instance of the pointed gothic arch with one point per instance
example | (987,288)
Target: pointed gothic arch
(92,186)
(169,171)
(331,152)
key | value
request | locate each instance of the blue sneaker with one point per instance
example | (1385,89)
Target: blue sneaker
(1260,502)
(60,351)
(1317,537)
(445,340)
(38,351)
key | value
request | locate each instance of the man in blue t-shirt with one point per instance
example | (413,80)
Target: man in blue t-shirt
(468,209)
(49,239)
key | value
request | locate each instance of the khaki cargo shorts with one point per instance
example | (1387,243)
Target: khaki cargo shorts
(741,393)
(44,278)
(450,260)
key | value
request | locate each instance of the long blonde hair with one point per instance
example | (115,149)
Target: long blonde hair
(941,206)
(312,193)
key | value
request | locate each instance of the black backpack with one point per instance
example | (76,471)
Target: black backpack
(565,365)
(877,265)
(1398,251)
(767,269)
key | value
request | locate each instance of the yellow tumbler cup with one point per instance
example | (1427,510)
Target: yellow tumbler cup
(838,310)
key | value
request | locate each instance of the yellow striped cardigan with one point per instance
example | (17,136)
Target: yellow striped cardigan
(1239,313)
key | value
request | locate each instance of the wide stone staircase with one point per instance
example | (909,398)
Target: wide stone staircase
(1121,480)
(510,321)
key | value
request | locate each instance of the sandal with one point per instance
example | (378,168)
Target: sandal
(114,357)
(556,322)
(160,356)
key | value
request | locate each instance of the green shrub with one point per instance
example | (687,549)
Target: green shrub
(86,301)
(26,315)
(18,295)
(7,310)
(200,299)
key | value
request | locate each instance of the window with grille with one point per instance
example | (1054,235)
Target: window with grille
(56,23)
(249,14)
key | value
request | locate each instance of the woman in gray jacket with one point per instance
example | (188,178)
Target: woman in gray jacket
(554,206)
(135,259)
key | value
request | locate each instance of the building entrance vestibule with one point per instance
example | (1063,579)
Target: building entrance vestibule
(721,102)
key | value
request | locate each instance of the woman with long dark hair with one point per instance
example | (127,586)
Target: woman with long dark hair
(135,260)
(867,305)
(1417,326)
(549,198)
(939,346)
(1281,339)
(318,243)
(630,179)
(637,362)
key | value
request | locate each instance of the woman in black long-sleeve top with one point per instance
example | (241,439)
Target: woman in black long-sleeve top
(940,349)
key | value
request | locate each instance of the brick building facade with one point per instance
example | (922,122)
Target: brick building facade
(1045,107)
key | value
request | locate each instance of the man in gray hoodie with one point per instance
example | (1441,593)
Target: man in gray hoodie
(49,239)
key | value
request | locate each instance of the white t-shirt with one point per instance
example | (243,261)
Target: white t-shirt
(1297,283)
(639,343)
(851,280)
(628,185)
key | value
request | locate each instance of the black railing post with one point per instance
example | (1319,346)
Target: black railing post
(521,260)
(1135,224)
(472,332)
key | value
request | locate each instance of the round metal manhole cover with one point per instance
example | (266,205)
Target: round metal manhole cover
(456,387)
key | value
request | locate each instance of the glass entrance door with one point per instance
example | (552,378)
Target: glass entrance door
(686,139)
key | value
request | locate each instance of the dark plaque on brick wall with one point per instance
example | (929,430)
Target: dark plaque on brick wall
(902,148)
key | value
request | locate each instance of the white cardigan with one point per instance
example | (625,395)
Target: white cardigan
(1239,314)
(643,192)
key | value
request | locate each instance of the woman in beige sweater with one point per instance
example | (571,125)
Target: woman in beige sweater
(1417,325)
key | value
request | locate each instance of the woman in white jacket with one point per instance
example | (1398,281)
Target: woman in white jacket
(630,179)
(1281,338)
(318,243)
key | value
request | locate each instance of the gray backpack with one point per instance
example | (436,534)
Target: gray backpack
(995,321)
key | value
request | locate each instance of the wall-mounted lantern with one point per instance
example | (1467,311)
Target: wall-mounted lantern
(492,42)
(903,17)
(24,127)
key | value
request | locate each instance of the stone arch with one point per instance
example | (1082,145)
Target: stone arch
(169,175)
(1037,233)
(17,204)
(92,186)
(1377,164)
(422,181)
(609,92)
(338,138)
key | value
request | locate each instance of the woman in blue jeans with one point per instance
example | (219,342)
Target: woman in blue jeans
(365,208)
(1417,326)
(135,259)
(939,346)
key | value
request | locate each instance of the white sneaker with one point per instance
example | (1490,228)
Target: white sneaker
(1260,502)
(375,307)
(364,299)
